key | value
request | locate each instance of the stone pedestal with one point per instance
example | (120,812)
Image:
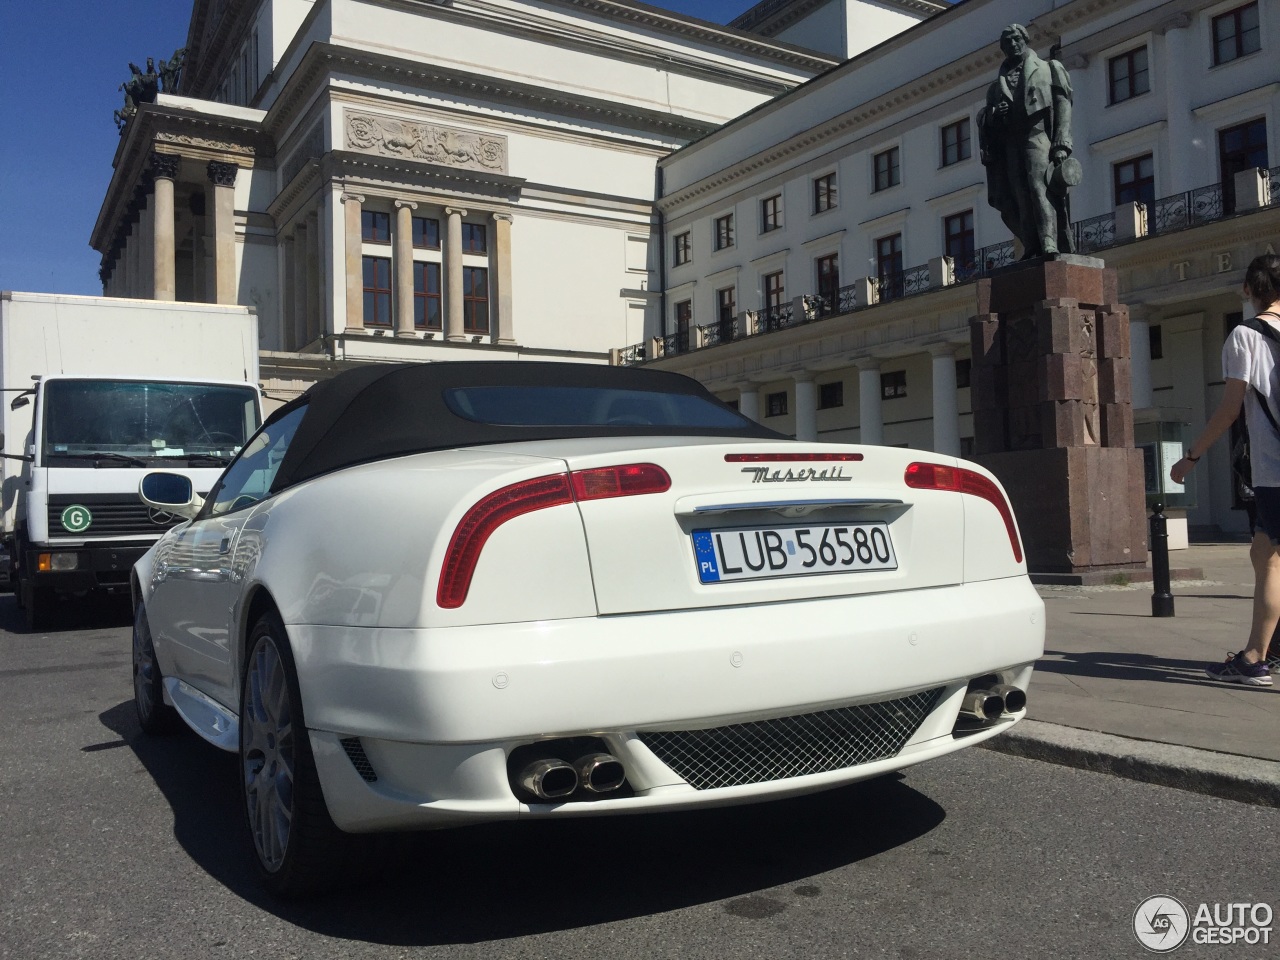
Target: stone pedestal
(1053,414)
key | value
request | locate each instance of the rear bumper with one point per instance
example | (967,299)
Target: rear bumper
(437,711)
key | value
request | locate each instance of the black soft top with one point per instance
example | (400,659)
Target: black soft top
(388,410)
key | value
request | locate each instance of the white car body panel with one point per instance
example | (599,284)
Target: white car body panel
(583,619)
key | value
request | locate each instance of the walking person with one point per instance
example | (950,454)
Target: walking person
(1249,368)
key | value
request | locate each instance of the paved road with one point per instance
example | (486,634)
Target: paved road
(115,845)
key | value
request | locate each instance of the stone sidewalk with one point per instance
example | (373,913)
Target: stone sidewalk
(1112,668)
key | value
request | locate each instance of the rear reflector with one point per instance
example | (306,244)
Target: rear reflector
(939,476)
(478,524)
(791,457)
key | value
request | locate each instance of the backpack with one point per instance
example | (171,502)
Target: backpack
(1240,462)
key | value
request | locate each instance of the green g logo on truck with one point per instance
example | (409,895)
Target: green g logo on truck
(76,519)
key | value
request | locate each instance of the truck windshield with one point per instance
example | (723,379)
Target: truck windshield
(127,419)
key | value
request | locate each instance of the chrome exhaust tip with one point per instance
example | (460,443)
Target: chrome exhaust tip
(982,705)
(600,773)
(1015,700)
(549,779)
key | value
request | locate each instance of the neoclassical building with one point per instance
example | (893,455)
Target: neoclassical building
(821,249)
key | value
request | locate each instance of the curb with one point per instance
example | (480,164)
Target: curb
(1224,775)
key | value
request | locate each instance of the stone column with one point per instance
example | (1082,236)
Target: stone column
(288,274)
(946,413)
(164,170)
(313,278)
(353,234)
(870,402)
(453,275)
(806,407)
(402,250)
(297,319)
(502,255)
(223,177)
(749,401)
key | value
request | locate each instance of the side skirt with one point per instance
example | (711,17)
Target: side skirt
(210,719)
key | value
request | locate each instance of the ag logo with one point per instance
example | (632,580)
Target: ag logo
(1161,924)
(76,518)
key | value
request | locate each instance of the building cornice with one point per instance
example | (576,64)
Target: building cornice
(324,59)
(771,17)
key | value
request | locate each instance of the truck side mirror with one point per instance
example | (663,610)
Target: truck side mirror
(171,492)
(21,400)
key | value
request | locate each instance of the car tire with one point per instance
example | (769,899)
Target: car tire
(297,847)
(155,717)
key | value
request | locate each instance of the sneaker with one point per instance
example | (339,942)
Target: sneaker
(1273,662)
(1239,670)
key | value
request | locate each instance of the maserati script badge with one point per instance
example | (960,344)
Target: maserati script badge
(803,475)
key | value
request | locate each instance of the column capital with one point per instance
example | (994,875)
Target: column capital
(506,217)
(868,364)
(411,204)
(455,211)
(353,197)
(1179,21)
(943,349)
(222,174)
(164,166)
(801,376)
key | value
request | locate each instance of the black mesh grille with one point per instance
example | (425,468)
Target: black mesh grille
(356,754)
(114,515)
(792,746)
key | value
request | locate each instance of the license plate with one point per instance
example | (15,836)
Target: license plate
(755,553)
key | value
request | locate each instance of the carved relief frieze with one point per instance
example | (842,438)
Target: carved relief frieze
(390,137)
(190,140)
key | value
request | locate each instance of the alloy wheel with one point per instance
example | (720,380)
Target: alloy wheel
(267,753)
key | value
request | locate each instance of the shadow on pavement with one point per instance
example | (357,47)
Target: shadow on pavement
(510,880)
(1118,665)
(72,613)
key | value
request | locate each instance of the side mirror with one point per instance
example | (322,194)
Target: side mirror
(21,400)
(171,492)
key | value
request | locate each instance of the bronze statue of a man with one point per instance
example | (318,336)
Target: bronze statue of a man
(1024,135)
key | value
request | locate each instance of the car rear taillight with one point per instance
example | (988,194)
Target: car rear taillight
(628,481)
(478,524)
(939,476)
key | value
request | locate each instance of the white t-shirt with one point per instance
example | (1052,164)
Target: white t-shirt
(1249,356)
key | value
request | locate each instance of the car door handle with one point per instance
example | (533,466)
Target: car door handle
(225,545)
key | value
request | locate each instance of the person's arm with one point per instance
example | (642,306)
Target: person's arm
(1223,417)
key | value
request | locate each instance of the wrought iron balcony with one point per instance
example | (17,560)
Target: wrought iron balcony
(1183,210)
(1096,233)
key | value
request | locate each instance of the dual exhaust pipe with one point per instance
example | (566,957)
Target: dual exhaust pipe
(554,779)
(992,703)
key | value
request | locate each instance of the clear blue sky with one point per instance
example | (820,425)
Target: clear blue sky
(61,62)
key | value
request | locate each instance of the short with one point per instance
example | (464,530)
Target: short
(1266,514)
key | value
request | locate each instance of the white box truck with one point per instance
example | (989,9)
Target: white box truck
(96,392)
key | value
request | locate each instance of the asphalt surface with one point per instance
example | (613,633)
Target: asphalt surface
(119,845)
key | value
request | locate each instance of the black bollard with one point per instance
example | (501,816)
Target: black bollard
(1162,598)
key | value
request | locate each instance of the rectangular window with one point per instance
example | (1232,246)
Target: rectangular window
(1242,147)
(724,231)
(1236,34)
(475,299)
(957,239)
(964,370)
(726,312)
(824,193)
(830,395)
(1128,75)
(684,319)
(1135,180)
(888,173)
(770,213)
(1155,341)
(955,142)
(775,404)
(426,233)
(681,248)
(426,295)
(375,227)
(889,266)
(893,384)
(377,291)
(774,290)
(475,238)
(828,270)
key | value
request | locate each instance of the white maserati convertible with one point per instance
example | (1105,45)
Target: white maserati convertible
(430,595)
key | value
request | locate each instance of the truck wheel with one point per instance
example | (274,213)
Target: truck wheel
(37,605)
(155,717)
(298,848)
